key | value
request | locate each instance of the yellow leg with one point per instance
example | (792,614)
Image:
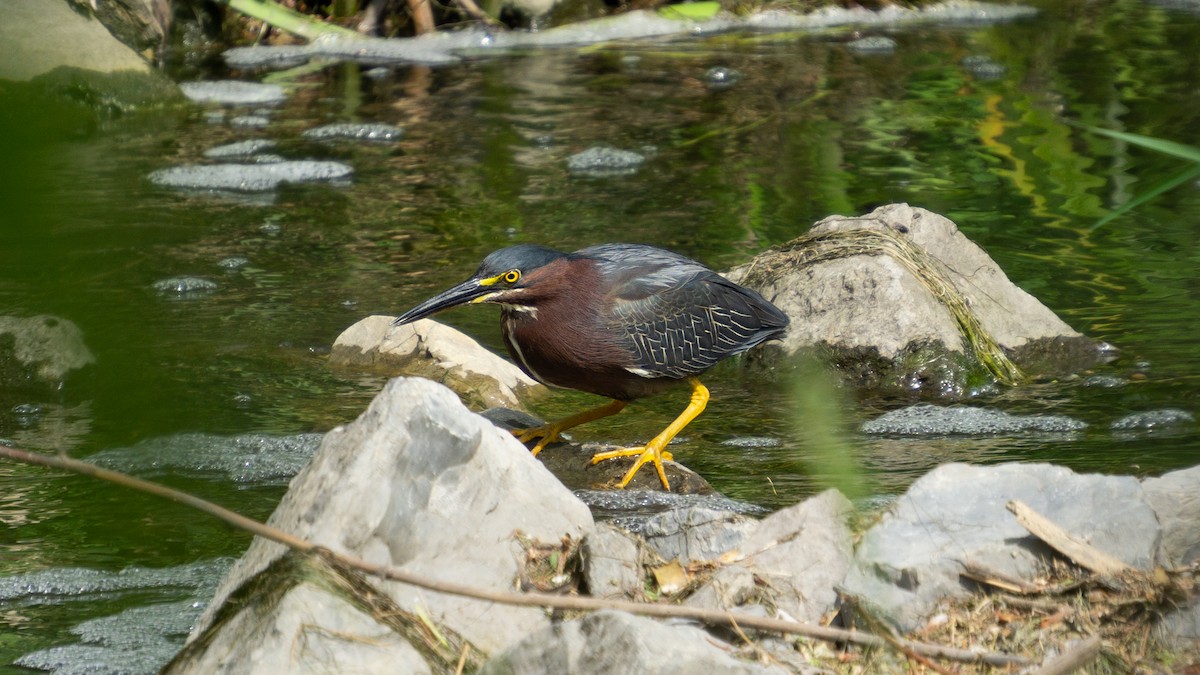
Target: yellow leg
(549,432)
(654,451)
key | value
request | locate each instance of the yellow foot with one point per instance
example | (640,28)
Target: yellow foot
(547,432)
(645,453)
(551,432)
(655,450)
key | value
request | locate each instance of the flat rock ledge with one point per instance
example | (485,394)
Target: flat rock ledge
(420,484)
(900,297)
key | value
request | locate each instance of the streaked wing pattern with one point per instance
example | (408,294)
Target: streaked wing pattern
(680,318)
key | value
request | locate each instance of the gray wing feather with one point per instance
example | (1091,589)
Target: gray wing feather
(680,318)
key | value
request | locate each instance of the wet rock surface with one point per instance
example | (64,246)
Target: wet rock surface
(357,132)
(451,47)
(605,161)
(135,640)
(1153,420)
(932,420)
(234,92)
(240,149)
(250,177)
(184,285)
(255,459)
(40,350)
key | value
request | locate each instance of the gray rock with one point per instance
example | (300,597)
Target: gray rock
(790,562)
(605,161)
(983,67)
(1151,420)
(873,44)
(438,352)
(419,483)
(308,630)
(866,307)
(255,459)
(250,121)
(234,92)
(184,285)
(720,77)
(39,36)
(729,587)
(795,556)
(235,262)
(240,149)
(630,509)
(616,642)
(696,534)
(40,348)
(1175,498)
(358,132)
(612,564)
(912,558)
(446,47)
(931,420)
(250,177)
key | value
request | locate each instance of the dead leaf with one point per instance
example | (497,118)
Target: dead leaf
(671,577)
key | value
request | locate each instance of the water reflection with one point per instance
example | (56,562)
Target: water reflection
(810,129)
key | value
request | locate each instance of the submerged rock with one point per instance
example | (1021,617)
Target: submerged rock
(134,640)
(255,459)
(932,420)
(901,298)
(720,77)
(234,92)
(874,44)
(1152,420)
(250,177)
(357,132)
(605,161)
(184,285)
(983,67)
(40,349)
(240,149)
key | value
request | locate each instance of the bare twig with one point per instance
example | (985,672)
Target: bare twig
(709,616)
(1080,552)
(997,579)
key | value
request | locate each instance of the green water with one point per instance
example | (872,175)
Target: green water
(810,130)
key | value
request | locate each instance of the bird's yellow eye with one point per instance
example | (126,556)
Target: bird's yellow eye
(511,276)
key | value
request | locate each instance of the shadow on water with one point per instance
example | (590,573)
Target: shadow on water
(810,129)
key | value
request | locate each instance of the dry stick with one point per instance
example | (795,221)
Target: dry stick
(1083,653)
(711,616)
(1080,552)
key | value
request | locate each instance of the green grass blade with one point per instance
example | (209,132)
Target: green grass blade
(1180,150)
(1169,184)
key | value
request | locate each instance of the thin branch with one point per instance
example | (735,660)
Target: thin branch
(710,616)
(1075,549)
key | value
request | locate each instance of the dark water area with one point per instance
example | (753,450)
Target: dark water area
(810,129)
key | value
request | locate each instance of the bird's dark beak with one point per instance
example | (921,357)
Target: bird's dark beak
(469,291)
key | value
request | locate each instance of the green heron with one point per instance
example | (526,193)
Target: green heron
(618,320)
